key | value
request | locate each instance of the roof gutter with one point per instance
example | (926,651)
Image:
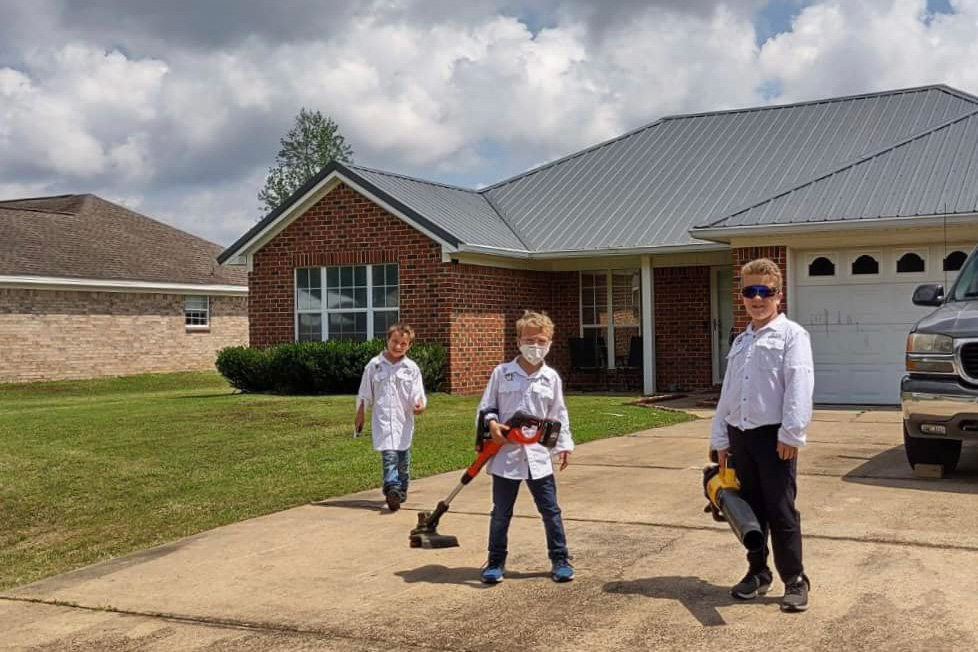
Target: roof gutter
(726,234)
(106,285)
(590,253)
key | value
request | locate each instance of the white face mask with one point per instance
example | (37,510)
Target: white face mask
(535,353)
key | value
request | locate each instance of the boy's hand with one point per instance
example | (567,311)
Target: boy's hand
(787,452)
(419,407)
(564,460)
(358,421)
(496,431)
(722,456)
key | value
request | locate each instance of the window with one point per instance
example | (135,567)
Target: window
(359,302)
(196,309)
(865,264)
(821,266)
(623,305)
(910,263)
(954,261)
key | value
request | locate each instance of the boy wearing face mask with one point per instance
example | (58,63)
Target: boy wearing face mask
(526,384)
(764,408)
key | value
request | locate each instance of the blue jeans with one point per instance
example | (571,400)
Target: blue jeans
(397,469)
(544,491)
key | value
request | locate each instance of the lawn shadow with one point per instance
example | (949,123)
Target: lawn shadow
(891,469)
(698,596)
(467,576)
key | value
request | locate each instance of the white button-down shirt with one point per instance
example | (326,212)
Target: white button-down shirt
(770,379)
(392,389)
(541,394)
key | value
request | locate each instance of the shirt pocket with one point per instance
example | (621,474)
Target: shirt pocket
(511,389)
(405,382)
(769,352)
(542,393)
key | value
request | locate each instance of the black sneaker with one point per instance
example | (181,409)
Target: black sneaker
(393,499)
(753,585)
(796,594)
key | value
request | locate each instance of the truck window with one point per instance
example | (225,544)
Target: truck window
(966,287)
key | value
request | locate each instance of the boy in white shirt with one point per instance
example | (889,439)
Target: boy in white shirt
(526,384)
(764,408)
(393,385)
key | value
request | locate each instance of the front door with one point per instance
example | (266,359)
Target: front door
(723,320)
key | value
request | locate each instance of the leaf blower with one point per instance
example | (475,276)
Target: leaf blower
(725,504)
(523,429)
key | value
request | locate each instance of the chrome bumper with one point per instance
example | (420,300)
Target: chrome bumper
(939,402)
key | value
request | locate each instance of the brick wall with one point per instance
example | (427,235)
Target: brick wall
(60,334)
(742,256)
(683,352)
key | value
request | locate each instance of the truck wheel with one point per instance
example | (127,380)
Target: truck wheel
(921,450)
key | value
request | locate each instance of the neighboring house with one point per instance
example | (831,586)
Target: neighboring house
(858,198)
(89,288)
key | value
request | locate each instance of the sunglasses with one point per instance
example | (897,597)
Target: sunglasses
(762,291)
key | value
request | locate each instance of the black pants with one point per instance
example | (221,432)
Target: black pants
(768,485)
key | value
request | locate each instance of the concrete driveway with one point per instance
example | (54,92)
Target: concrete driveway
(892,559)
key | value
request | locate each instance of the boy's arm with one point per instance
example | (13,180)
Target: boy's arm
(417,393)
(718,433)
(489,401)
(365,395)
(799,386)
(558,410)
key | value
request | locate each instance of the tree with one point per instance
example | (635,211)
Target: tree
(309,146)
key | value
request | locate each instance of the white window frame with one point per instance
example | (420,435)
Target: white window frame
(855,255)
(950,250)
(324,312)
(207,312)
(900,253)
(609,306)
(810,257)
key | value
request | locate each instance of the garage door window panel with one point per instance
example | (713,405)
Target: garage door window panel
(954,261)
(821,266)
(865,265)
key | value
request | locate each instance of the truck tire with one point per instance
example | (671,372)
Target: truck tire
(922,450)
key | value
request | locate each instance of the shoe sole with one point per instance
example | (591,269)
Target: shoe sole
(761,590)
(491,581)
(561,580)
(794,608)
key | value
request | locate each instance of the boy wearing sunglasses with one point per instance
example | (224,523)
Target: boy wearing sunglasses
(764,408)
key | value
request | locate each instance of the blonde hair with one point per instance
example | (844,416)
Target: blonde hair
(404,329)
(763,267)
(535,320)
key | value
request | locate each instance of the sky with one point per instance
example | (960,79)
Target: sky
(175,109)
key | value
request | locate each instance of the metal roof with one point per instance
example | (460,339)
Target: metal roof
(465,213)
(649,187)
(931,173)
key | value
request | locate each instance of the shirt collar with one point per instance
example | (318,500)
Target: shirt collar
(778,324)
(513,366)
(384,360)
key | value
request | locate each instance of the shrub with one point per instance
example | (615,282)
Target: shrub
(332,367)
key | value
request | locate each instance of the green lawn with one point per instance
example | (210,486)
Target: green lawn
(94,469)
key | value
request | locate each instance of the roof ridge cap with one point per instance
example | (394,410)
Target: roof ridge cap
(852,163)
(410,178)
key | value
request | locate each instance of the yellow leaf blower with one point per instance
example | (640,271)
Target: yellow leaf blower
(725,504)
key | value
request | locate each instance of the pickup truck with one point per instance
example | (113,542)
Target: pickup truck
(939,394)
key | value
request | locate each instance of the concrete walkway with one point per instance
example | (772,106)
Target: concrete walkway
(892,560)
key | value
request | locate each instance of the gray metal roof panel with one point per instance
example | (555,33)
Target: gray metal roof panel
(650,186)
(465,213)
(934,172)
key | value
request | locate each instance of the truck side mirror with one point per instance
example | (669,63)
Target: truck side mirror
(928,295)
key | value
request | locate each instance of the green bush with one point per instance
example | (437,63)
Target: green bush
(332,367)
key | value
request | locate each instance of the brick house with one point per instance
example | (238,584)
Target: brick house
(634,245)
(89,288)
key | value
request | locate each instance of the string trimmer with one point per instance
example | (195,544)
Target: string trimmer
(523,429)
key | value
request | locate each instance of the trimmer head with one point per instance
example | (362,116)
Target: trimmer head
(426,536)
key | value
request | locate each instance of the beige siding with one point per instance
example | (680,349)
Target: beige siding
(62,334)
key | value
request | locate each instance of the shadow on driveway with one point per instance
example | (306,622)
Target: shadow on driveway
(438,574)
(699,596)
(891,469)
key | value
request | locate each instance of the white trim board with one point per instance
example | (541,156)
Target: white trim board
(106,285)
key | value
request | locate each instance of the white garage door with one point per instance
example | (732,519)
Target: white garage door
(856,304)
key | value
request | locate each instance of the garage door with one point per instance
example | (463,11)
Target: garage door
(856,304)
